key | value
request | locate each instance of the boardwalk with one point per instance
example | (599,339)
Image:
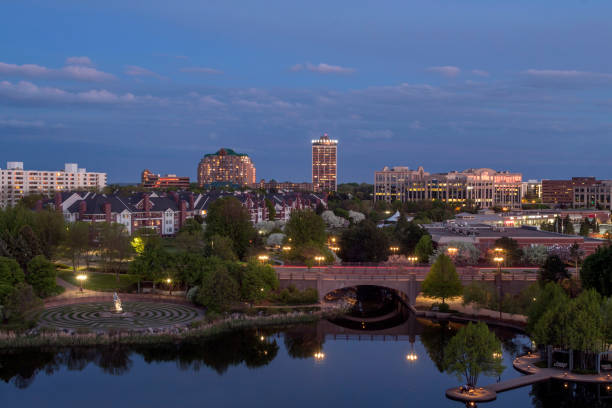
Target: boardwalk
(526,365)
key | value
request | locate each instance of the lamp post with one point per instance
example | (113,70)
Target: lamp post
(452,251)
(169,282)
(394,249)
(81,278)
(286,248)
(413,259)
(263,258)
(319,259)
(499,260)
(412,356)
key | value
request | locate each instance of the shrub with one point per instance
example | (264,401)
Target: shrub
(292,296)
(10,272)
(19,301)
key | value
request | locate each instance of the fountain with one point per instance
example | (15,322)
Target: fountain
(118,304)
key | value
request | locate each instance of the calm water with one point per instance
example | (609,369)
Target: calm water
(241,370)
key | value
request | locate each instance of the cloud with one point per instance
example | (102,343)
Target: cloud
(135,70)
(27,92)
(75,72)
(447,70)
(201,70)
(480,73)
(79,61)
(322,68)
(566,78)
(375,134)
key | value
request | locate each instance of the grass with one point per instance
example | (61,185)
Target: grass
(102,282)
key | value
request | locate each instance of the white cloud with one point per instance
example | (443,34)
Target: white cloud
(480,73)
(201,70)
(76,72)
(375,134)
(447,70)
(135,70)
(28,92)
(79,61)
(565,74)
(322,68)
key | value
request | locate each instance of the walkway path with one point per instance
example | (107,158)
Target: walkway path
(526,365)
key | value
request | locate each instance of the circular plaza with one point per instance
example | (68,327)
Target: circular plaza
(135,315)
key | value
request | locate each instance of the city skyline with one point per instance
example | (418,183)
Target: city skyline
(478,85)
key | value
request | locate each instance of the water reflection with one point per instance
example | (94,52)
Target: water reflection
(558,394)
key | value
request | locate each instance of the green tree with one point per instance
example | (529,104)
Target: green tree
(219,290)
(555,326)
(512,252)
(76,242)
(257,281)
(10,272)
(549,297)
(596,271)
(41,275)
(227,217)
(364,242)
(585,228)
(547,226)
(304,227)
(568,226)
(191,236)
(271,210)
(473,352)
(407,234)
(21,299)
(442,281)
(553,270)
(221,247)
(151,263)
(586,318)
(424,248)
(478,294)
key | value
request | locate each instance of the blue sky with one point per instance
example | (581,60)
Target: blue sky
(119,86)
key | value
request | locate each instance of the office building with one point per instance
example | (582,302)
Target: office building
(593,195)
(226,166)
(485,188)
(16,183)
(324,164)
(561,192)
(531,191)
(151,180)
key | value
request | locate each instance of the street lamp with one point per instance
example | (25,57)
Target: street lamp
(263,258)
(499,260)
(394,249)
(81,278)
(169,281)
(319,259)
(319,356)
(413,259)
(412,356)
(452,251)
(286,248)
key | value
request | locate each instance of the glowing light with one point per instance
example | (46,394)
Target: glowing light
(319,355)
(452,250)
(499,259)
(81,277)
(286,248)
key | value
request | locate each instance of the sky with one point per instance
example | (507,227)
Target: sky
(120,85)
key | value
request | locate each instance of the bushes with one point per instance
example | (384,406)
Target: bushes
(41,275)
(218,291)
(10,272)
(19,301)
(292,296)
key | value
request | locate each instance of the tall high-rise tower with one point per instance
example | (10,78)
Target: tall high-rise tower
(324,164)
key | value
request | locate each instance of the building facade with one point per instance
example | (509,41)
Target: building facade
(561,192)
(532,191)
(324,164)
(151,180)
(483,187)
(226,166)
(595,195)
(166,213)
(16,183)
(284,185)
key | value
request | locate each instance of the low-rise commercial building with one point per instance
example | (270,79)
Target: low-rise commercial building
(151,180)
(482,187)
(16,182)
(284,185)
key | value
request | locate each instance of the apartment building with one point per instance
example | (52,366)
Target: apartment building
(484,187)
(226,166)
(152,180)
(325,164)
(16,183)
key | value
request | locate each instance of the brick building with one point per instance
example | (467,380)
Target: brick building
(151,180)
(226,166)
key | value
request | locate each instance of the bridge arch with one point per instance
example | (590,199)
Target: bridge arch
(405,288)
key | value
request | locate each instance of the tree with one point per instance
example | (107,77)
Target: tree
(512,252)
(221,247)
(10,272)
(191,236)
(271,209)
(576,253)
(151,263)
(442,281)
(478,294)
(227,217)
(41,275)
(257,281)
(553,270)
(467,253)
(424,248)
(585,228)
(473,352)
(19,301)
(305,226)
(76,242)
(535,255)
(550,296)
(115,246)
(364,242)
(219,290)
(408,234)
(568,226)
(49,227)
(596,271)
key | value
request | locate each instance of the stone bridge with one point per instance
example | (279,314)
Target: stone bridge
(405,280)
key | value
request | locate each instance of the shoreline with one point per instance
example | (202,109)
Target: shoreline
(171,334)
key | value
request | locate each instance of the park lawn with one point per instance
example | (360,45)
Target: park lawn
(101,282)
